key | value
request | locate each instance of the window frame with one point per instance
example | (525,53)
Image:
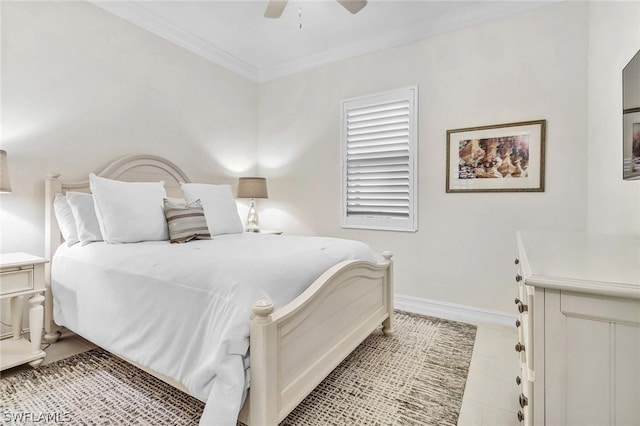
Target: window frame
(382,222)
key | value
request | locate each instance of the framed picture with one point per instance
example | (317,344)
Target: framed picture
(631,119)
(631,148)
(498,158)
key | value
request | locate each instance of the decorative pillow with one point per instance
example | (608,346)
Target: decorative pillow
(175,200)
(84,215)
(129,212)
(186,221)
(220,209)
(66,223)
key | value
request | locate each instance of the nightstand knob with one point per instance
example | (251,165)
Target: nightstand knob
(522,307)
(518,278)
(517,261)
(518,323)
(523,400)
(518,380)
(520,416)
(519,347)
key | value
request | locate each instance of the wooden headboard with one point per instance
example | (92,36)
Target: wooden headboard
(132,168)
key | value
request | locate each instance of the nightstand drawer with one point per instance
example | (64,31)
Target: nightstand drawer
(15,281)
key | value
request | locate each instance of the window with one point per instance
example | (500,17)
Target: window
(379,157)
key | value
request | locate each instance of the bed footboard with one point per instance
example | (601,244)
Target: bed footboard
(294,348)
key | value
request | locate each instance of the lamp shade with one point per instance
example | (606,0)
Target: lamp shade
(252,187)
(5,180)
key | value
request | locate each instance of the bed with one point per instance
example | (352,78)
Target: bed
(301,319)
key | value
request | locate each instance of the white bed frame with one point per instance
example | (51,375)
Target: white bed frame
(293,348)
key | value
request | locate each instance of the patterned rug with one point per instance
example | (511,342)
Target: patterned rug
(415,377)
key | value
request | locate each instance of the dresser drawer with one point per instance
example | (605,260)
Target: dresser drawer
(596,307)
(16,281)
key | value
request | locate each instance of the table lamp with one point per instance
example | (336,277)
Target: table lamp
(5,180)
(252,187)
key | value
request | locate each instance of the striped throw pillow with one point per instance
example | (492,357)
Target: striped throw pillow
(186,221)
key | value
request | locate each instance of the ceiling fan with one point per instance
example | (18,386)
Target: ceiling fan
(275,7)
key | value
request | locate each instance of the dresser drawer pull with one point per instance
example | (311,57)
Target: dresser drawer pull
(520,416)
(523,400)
(518,380)
(517,300)
(518,323)
(517,261)
(519,347)
(518,278)
(522,307)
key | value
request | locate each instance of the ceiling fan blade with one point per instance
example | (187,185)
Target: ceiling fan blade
(275,8)
(353,6)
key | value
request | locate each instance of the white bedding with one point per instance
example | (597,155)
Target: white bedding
(183,309)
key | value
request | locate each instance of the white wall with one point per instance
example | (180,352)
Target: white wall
(528,67)
(614,37)
(81,87)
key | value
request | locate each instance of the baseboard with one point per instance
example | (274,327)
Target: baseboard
(453,311)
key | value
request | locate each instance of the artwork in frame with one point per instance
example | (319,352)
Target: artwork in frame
(631,149)
(497,158)
(631,119)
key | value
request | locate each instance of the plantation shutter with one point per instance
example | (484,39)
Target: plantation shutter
(378,157)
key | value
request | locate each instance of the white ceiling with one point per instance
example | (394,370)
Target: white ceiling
(236,35)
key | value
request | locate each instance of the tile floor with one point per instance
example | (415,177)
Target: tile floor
(490,396)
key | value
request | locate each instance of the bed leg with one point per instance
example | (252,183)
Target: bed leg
(51,329)
(387,324)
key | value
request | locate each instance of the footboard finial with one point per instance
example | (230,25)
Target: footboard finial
(262,310)
(387,255)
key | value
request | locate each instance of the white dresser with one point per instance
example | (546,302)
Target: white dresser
(578,302)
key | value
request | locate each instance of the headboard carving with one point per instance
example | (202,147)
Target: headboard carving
(131,168)
(126,165)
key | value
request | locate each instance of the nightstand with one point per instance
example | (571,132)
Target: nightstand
(22,276)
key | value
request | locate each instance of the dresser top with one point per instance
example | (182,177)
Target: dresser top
(591,263)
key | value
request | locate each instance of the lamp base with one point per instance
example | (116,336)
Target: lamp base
(252,224)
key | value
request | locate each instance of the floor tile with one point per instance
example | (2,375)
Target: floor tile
(490,395)
(497,342)
(470,413)
(65,347)
(492,416)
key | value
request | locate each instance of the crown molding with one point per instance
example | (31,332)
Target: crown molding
(477,13)
(141,17)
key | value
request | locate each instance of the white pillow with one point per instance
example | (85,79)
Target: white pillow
(84,214)
(66,223)
(220,209)
(129,212)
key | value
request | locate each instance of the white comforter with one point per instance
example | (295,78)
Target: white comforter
(183,309)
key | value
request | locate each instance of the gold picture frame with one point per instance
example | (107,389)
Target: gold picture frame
(498,158)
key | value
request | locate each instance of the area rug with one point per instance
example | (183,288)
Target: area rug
(415,377)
